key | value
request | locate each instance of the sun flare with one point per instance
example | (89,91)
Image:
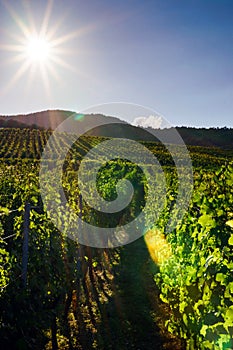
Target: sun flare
(38,49)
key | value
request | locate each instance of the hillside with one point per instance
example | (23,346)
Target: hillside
(51,119)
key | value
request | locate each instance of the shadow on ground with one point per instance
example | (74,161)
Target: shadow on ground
(133,316)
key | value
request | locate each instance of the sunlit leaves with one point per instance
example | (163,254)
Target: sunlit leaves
(203,292)
(230,241)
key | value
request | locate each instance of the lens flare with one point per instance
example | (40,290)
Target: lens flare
(157,245)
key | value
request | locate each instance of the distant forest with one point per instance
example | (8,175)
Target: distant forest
(211,137)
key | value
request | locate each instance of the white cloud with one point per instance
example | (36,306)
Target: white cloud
(153,121)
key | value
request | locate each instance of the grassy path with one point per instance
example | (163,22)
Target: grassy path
(133,316)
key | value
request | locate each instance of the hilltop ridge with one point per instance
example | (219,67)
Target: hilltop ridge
(51,119)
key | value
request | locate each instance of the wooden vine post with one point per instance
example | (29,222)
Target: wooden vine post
(26,223)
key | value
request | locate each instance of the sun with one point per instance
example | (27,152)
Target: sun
(38,49)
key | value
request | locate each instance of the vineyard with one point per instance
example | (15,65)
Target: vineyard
(167,290)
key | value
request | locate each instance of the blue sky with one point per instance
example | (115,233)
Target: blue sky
(175,57)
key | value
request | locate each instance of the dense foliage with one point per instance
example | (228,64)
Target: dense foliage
(68,285)
(197,280)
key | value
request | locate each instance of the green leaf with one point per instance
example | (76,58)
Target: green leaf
(203,330)
(220,277)
(4,210)
(185,320)
(230,241)
(182,306)
(206,221)
(229,316)
(229,223)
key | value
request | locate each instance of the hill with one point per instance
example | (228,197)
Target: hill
(51,119)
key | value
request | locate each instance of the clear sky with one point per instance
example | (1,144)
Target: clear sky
(174,56)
